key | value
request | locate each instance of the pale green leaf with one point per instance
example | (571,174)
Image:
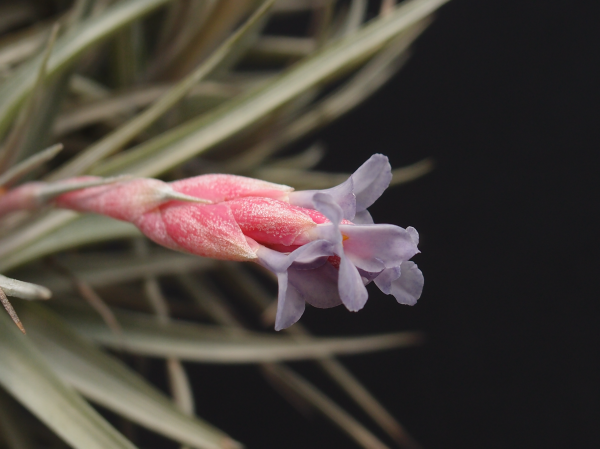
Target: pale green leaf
(88,229)
(117,267)
(115,141)
(28,165)
(192,138)
(25,375)
(68,47)
(108,382)
(27,116)
(25,290)
(211,344)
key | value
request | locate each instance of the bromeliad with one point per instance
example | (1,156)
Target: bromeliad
(322,245)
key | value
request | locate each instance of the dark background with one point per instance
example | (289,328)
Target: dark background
(504,96)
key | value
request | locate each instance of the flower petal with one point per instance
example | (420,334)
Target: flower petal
(350,286)
(370,180)
(414,235)
(385,279)
(290,300)
(290,305)
(305,256)
(326,204)
(343,196)
(357,193)
(318,286)
(368,246)
(363,217)
(408,287)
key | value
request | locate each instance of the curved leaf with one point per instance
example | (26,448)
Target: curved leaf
(142,334)
(25,375)
(108,382)
(88,229)
(170,149)
(68,47)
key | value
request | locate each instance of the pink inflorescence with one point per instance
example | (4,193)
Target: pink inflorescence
(322,245)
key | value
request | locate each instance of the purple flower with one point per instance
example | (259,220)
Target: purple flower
(343,258)
(357,193)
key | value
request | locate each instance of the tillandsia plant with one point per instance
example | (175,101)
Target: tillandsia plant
(141,89)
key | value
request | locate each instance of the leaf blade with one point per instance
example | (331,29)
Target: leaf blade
(213,344)
(67,48)
(25,375)
(108,382)
(192,138)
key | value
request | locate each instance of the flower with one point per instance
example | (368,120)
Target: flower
(322,245)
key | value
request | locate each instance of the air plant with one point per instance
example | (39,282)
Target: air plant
(141,89)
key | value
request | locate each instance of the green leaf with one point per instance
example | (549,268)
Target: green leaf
(68,47)
(108,382)
(25,375)
(143,335)
(88,229)
(170,149)
(25,290)
(116,140)
(116,267)
(28,165)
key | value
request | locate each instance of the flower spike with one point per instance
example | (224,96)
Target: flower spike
(306,238)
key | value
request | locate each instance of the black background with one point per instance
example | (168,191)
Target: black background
(504,96)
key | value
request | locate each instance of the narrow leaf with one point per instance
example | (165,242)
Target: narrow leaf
(116,140)
(16,138)
(25,375)
(210,344)
(108,382)
(88,229)
(68,47)
(25,290)
(104,269)
(11,311)
(28,165)
(192,138)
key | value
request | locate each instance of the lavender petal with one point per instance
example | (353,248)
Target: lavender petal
(386,278)
(369,276)
(325,204)
(318,287)
(363,217)
(414,235)
(370,180)
(350,286)
(408,287)
(290,305)
(370,246)
(308,254)
(342,195)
